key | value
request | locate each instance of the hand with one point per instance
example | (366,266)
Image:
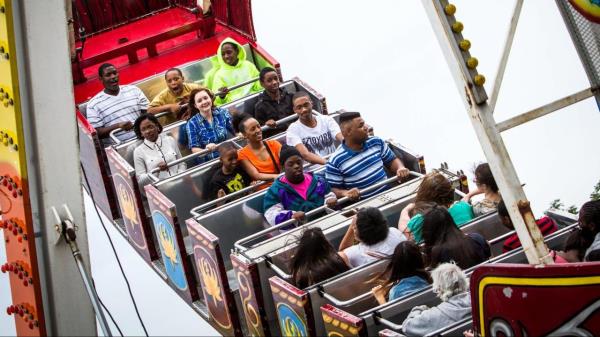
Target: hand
(221,193)
(125,125)
(163,166)
(469,333)
(299,216)
(402,172)
(380,293)
(353,194)
(331,202)
(174,108)
(185,115)
(271,123)
(222,92)
(466,198)
(211,146)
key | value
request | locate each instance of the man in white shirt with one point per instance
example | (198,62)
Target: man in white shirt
(312,135)
(116,107)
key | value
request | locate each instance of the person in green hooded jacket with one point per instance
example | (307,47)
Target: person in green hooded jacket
(231,68)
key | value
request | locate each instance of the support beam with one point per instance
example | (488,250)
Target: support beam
(510,36)
(545,109)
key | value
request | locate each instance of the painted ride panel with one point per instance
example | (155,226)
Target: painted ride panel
(292,307)
(339,323)
(177,266)
(210,272)
(393,313)
(135,220)
(524,300)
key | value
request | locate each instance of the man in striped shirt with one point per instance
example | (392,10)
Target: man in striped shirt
(360,161)
(545,224)
(116,107)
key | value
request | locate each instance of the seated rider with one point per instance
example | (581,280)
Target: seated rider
(313,135)
(273,104)
(360,161)
(545,224)
(173,97)
(230,69)
(296,192)
(230,177)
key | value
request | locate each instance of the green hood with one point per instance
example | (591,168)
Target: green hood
(241,54)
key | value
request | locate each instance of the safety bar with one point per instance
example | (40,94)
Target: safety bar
(205,152)
(452,326)
(195,212)
(238,244)
(117,141)
(340,303)
(239,85)
(389,324)
(278,270)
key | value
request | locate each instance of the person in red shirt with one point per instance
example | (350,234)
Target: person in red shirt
(545,224)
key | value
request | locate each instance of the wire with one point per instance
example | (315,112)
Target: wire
(106,309)
(114,250)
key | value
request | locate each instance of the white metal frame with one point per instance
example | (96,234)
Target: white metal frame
(488,131)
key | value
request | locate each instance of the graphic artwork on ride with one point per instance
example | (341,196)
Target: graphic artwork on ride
(213,293)
(290,323)
(588,8)
(249,311)
(169,251)
(129,210)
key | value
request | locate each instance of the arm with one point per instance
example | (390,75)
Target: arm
(348,239)
(104,132)
(141,171)
(309,156)
(173,108)
(471,194)
(336,180)
(276,214)
(339,137)
(404,219)
(253,172)
(397,166)
(181,167)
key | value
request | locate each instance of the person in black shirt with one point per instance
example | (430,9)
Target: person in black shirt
(229,177)
(273,104)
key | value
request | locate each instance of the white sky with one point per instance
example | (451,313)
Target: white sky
(382,59)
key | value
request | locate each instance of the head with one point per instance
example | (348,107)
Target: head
(435,188)
(589,217)
(291,161)
(269,79)
(228,156)
(354,129)
(315,259)
(147,127)
(485,179)
(371,226)
(109,76)
(250,129)
(229,53)
(174,78)
(302,105)
(504,216)
(201,100)
(578,243)
(438,226)
(407,261)
(449,280)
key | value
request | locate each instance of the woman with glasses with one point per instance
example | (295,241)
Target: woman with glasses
(486,185)
(155,151)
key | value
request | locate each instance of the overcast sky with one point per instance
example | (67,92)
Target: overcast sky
(381,58)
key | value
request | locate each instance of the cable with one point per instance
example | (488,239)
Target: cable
(114,250)
(107,311)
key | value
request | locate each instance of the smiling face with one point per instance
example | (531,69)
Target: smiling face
(270,82)
(293,169)
(110,78)
(252,130)
(229,53)
(229,159)
(174,81)
(149,130)
(303,108)
(202,101)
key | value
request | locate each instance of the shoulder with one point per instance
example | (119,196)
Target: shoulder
(96,99)
(191,86)
(395,234)
(130,88)
(274,144)
(221,111)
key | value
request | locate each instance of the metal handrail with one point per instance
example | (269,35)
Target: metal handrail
(278,270)
(195,212)
(117,141)
(238,244)
(389,324)
(339,303)
(454,325)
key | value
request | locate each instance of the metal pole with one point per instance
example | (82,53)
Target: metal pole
(510,36)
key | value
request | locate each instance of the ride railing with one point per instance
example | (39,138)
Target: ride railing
(351,291)
(225,225)
(390,315)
